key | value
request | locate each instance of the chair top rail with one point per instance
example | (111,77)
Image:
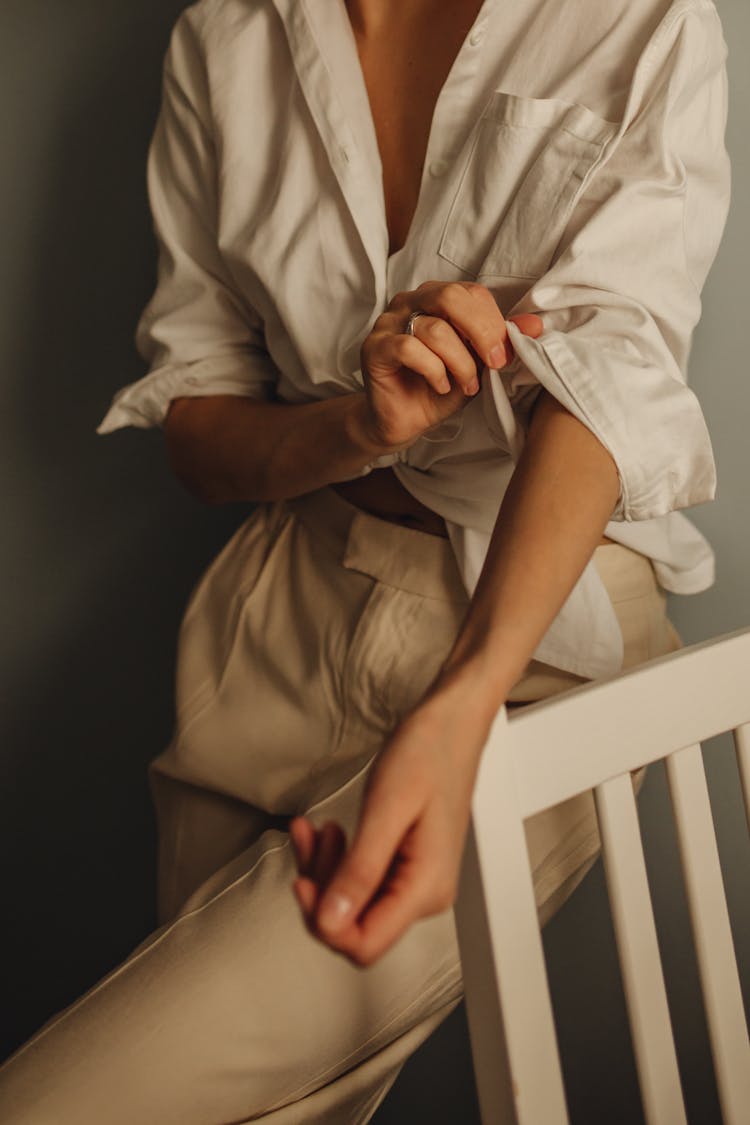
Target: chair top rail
(621,722)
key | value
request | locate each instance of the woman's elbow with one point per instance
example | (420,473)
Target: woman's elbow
(181,427)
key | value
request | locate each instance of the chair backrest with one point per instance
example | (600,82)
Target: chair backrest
(591,737)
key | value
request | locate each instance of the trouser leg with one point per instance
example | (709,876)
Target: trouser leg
(199,830)
(233,1011)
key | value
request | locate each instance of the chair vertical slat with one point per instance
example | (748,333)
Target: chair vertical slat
(741,736)
(712,931)
(638,949)
(481,994)
(496,859)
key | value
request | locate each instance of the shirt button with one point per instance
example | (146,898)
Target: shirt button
(476,36)
(191,380)
(438,167)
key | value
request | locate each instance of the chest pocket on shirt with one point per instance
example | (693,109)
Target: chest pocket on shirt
(528,163)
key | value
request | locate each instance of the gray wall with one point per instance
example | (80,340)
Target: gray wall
(102,546)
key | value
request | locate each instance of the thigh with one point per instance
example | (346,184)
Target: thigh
(199,830)
(233,1010)
(261,658)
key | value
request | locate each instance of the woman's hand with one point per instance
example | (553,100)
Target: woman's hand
(405,858)
(413,383)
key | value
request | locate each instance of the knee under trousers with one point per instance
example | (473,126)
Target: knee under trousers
(315,628)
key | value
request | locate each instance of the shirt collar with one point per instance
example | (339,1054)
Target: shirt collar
(325,58)
(324,52)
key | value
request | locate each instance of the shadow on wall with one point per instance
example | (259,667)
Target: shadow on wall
(101,544)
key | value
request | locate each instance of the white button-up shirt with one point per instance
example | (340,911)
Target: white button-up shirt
(576,166)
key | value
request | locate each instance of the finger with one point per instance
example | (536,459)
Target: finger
(472,310)
(306,893)
(399,905)
(443,339)
(529,323)
(382,826)
(420,884)
(408,892)
(331,846)
(400,350)
(303,836)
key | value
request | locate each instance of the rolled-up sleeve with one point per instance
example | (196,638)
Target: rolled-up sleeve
(623,296)
(198,334)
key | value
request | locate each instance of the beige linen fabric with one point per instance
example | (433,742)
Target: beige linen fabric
(308,636)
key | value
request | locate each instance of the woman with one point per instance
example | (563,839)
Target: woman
(504,215)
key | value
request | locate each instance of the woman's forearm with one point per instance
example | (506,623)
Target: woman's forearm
(560,498)
(229,447)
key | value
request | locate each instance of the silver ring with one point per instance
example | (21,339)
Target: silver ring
(409,330)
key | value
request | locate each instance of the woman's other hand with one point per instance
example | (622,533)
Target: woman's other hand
(414,382)
(405,858)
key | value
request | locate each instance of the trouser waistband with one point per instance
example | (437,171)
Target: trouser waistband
(400,556)
(426,564)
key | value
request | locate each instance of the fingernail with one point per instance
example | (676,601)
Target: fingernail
(497,356)
(334,911)
(472,387)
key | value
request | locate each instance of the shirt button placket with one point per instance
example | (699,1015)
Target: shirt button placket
(439,167)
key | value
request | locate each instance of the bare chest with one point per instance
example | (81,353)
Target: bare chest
(405,66)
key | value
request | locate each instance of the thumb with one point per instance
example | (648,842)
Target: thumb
(363,868)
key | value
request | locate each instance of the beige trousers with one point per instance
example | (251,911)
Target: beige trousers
(306,639)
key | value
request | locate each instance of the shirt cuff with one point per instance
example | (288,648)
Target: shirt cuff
(145,403)
(656,436)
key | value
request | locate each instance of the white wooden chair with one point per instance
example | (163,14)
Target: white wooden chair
(591,738)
